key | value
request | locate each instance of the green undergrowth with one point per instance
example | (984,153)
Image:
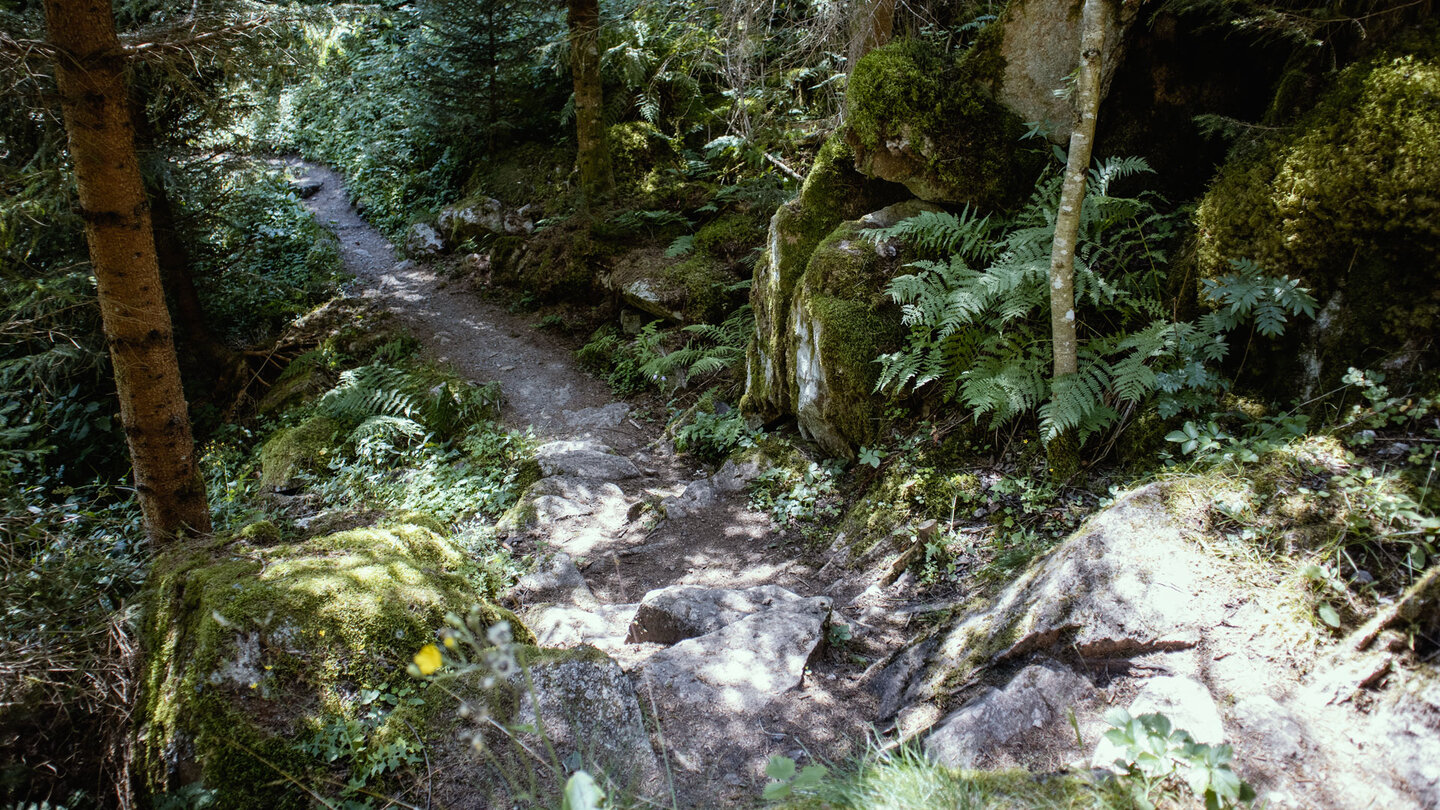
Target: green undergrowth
(904,779)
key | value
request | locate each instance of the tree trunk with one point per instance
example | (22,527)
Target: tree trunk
(1072,193)
(95,103)
(597,180)
(1063,450)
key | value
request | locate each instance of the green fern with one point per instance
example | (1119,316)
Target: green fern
(981,336)
(714,349)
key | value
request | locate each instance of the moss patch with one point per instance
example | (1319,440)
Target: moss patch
(925,118)
(253,649)
(297,449)
(1348,200)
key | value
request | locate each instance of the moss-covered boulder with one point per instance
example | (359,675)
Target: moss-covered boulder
(930,120)
(832,193)
(1347,199)
(841,321)
(302,448)
(257,655)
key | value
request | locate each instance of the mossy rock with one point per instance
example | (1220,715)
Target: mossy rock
(841,321)
(1347,200)
(251,651)
(304,379)
(730,238)
(929,120)
(296,449)
(693,289)
(832,193)
(260,533)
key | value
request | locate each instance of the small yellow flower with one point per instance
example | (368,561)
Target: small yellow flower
(322,633)
(254,685)
(449,642)
(428,659)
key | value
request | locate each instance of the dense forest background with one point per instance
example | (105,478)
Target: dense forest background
(1255,268)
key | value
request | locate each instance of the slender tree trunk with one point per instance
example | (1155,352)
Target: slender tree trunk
(1072,193)
(597,180)
(95,103)
(1064,450)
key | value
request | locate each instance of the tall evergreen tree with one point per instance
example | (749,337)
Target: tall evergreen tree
(95,103)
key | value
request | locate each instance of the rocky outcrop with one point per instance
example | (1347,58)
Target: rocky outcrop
(1307,202)
(1138,609)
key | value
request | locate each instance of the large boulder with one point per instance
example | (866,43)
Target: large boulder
(1347,200)
(841,320)
(254,652)
(1039,48)
(832,193)
(930,120)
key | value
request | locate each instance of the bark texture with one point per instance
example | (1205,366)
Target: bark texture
(1072,194)
(95,102)
(597,180)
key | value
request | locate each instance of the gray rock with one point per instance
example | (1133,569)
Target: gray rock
(600,416)
(743,666)
(1127,583)
(891,682)
(1040,44)
(1264,719)
(306,187)
(568,626)
(584,459)
(678,612)
(558,498)
(698,495)
(423,241)
(584,707)
(1409,728)
(484,218)
(556,579)
(1033,701)
(1185,701)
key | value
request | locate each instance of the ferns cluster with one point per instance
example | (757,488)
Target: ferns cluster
(387,407)
(977,311)
(714,349)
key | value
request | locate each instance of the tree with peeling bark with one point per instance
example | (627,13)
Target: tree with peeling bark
(90,75)
(1093,20)
(597,180)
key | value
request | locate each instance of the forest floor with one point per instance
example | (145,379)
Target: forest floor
(717,759)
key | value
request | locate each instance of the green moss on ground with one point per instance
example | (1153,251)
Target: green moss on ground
(297,449)
(1347,199)
(963,145)
(253,649)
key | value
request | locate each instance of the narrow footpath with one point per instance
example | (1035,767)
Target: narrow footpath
(720,705)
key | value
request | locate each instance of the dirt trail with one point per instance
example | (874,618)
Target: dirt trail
(724,544)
